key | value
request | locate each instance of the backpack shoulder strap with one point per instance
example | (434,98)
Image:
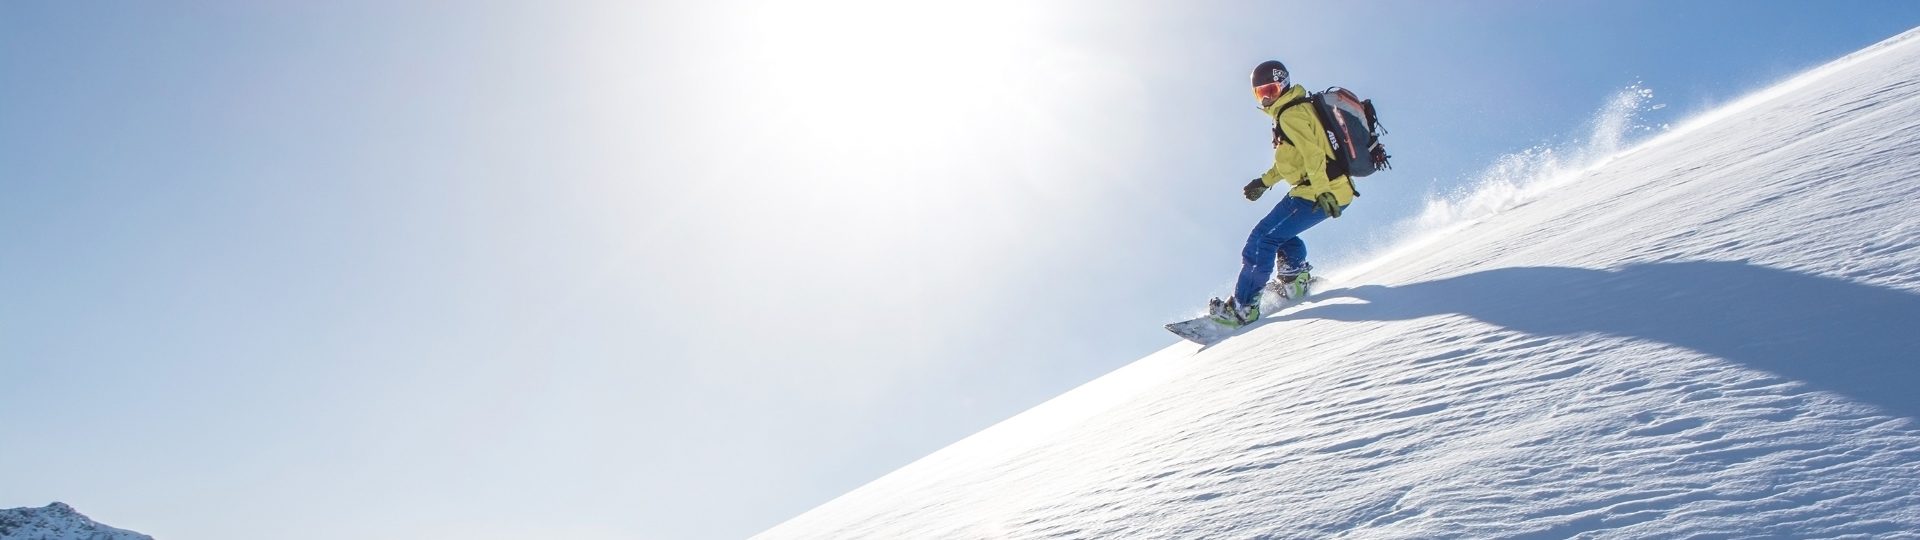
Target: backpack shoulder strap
(1297,101)
(1280,137)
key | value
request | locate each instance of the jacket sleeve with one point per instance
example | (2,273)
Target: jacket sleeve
(1304,160)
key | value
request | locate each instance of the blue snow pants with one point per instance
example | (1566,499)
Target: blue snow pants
(1278,233)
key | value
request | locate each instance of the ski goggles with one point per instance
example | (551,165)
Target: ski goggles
(1269,92)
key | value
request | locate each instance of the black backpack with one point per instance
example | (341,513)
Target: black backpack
(1353,132)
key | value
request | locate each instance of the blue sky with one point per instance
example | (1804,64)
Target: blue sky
(686,269)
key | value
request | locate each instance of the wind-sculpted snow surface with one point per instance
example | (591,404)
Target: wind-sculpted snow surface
(1712,334)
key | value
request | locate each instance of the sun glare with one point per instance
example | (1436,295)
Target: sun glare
(862,76)
(892,119)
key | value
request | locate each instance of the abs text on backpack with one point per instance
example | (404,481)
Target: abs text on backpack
(1353,132)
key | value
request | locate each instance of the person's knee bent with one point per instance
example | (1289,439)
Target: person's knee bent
(1257,252)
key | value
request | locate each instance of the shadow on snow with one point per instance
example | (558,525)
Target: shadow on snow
(1856,340)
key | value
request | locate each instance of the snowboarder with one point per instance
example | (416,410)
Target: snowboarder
(1301,158)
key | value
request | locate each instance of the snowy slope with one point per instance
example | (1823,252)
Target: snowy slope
(57,521)
(1715,333)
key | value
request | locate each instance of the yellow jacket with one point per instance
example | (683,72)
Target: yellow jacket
(1304,162)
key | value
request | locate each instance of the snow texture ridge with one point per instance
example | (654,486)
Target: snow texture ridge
(57,521)
(1714,333)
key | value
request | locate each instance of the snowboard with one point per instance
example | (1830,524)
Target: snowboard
(1205,331)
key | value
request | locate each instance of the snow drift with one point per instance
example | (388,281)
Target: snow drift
(1713,333)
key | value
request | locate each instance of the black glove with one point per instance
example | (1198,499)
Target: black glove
(1328,203)
(1255,189)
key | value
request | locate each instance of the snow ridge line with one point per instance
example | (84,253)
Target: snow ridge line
(1541,172)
